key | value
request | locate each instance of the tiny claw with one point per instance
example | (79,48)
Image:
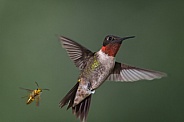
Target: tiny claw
(92,92)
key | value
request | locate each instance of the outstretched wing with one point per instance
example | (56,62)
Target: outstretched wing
(76,52)
(123,72)
(29,90)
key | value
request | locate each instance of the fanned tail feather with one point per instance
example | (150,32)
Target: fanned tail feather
(80,110)
(69,98)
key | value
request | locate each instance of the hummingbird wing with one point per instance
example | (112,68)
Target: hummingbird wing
(76,52)
(123,72)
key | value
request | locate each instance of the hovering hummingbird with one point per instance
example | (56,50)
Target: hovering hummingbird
(97,67)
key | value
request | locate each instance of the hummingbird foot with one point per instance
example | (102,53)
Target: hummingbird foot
(93,91)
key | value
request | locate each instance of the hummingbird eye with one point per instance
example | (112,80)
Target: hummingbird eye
(110,38)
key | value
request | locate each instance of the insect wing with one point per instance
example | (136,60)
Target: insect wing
(29,90)
(38,100)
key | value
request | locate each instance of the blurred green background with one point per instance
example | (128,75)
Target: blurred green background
(30,51)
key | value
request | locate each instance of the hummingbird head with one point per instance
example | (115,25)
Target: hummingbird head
(111,44)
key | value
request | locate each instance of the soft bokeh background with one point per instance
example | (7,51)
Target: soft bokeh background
(30,51)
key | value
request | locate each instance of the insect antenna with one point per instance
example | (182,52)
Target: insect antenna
(37,84)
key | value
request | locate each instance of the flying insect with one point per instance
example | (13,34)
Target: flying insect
(34,94)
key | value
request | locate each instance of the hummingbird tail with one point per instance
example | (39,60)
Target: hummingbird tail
(69,98)
(80,110)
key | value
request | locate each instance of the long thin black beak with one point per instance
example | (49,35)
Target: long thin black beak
(127,37)
(121,39)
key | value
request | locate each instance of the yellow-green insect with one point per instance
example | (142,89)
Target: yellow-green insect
(34,94)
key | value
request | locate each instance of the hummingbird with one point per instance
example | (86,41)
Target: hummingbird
(96,68)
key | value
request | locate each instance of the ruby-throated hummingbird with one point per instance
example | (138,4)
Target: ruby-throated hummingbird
(96,68)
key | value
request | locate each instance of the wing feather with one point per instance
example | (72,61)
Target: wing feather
(78,53)
(123,72)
